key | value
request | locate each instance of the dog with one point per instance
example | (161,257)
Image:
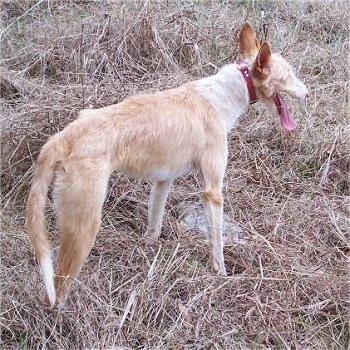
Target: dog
(158,137)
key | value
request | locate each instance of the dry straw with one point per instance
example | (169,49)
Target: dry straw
(288,285)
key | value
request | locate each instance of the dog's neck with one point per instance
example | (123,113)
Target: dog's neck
(243,67)
(227,90)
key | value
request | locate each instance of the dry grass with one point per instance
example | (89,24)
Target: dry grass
(288,286)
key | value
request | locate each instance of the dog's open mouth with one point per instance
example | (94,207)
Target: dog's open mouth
(287,121)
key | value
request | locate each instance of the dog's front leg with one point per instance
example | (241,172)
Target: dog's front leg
(213,205)
(156,206)
(212,167)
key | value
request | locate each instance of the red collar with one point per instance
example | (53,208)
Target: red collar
(249,81)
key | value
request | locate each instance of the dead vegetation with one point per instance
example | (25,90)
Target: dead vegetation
(288,285)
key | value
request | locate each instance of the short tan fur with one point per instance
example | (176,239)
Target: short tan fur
(159,137)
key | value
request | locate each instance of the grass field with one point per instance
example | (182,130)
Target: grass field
(288,285)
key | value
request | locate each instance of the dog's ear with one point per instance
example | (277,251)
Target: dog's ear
(262,61)
(248,43)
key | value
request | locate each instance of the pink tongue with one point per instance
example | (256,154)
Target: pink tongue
(287,121)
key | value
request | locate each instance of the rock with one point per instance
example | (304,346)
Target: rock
(192,217)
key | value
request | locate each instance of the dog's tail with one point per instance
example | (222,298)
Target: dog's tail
(52,152)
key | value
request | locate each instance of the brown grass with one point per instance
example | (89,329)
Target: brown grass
(288,286)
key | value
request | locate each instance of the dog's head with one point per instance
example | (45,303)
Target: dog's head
(272,75)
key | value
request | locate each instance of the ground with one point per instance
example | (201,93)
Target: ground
(288,284)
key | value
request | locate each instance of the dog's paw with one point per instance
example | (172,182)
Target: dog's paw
(222,271)
(218,267)
(148,241)
(46,302)
(152,234)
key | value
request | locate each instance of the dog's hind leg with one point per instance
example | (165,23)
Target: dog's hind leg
(156,206)
(81,193)
(213,168)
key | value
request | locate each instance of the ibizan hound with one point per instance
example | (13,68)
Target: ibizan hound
(159,137)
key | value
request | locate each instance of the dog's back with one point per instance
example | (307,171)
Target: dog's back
(157,136)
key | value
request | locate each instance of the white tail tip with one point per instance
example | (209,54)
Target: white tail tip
(48,277)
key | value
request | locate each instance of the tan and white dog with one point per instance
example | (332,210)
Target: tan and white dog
(159,137)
